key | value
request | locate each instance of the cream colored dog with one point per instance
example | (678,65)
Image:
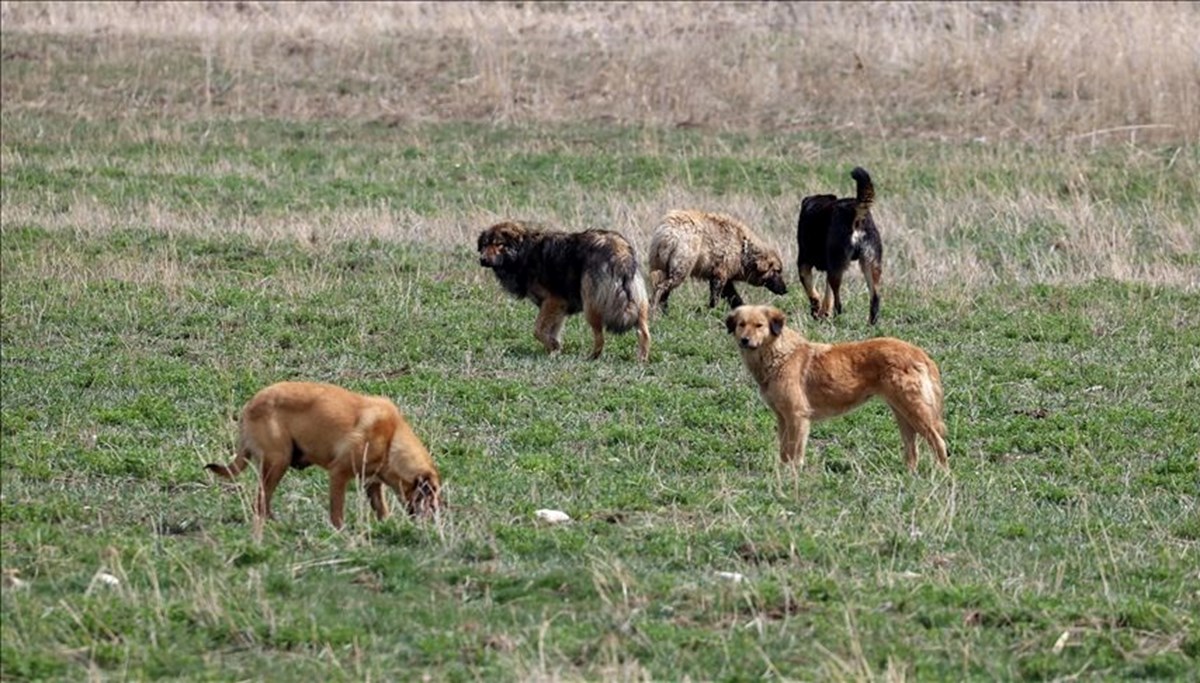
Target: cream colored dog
(297,424)
(804,382)
(713,247)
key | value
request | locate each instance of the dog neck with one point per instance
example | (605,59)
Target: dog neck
(747,257)
(765,362)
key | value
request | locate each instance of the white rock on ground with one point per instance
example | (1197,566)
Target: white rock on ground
(553,516)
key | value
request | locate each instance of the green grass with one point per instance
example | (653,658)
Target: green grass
(160,269)
(271,167)
(1071,507)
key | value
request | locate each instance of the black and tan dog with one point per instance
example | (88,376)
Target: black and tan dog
(831,233)
(563,273)
(713,247)
(298,424)
(804,382)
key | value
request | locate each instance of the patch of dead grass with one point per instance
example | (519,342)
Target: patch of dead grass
(1088,71)
(925,245)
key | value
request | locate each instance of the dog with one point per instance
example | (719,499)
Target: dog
(298,424)
(713,247)
(595,271)
(831,233)
(803,382)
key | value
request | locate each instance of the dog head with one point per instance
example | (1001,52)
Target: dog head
(755,326)
(764,268)
(498,242)
(423,495)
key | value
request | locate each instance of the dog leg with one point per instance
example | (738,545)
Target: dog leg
(595,319)
(664,284)
(929,432)
(827,300)
(923,419)
(338,480)
(872,272)
(656,296)
(730,294)
(715,284)
(834,281)
(934,435)
(660,300)
(389,479)
(378,501)
(397,488)
(806,279)
(909,436)
(548,326)
(793,439)
(273,469)
(643,332)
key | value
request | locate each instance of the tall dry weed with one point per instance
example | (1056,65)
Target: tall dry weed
(1028,71)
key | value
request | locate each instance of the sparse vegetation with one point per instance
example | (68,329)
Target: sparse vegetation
(200,199)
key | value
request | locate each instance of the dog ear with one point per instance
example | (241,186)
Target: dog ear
(514,232)
(777,320)
(731,322)
(425,486)
(424,498)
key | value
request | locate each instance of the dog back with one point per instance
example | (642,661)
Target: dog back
(812,230)
(310,419)
(831,232)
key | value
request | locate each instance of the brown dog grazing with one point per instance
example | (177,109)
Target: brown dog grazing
(831,233)
(713,247)
(804,382)
(297,424)
(595,271)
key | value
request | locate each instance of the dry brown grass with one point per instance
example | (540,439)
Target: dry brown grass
(1067,76)
(923,236)
(1027,71)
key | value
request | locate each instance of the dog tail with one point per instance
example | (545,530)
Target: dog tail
(866,189)
(617,290)
(234,468)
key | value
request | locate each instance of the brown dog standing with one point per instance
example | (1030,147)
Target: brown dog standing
(804,382)
(712,247)
(297,424)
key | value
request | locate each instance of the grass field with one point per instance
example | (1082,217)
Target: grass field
(192,209)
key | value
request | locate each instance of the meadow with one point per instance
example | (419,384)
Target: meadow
(201,199)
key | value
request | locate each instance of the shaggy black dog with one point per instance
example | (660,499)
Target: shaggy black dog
(830,234)
(563,273)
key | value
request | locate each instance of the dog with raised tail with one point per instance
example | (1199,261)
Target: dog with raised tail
(831,233)
(804,382)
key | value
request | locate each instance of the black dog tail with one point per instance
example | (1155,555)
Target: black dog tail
(866,189)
